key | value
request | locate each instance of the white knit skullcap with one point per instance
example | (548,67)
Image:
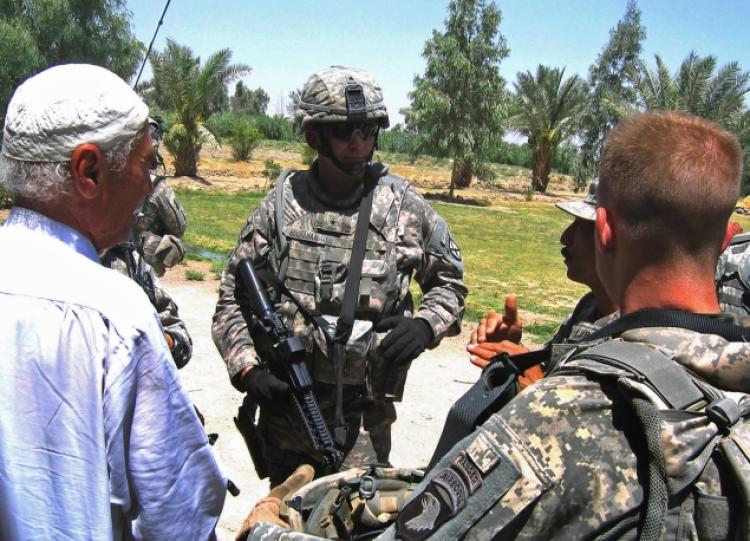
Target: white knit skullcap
(54,112)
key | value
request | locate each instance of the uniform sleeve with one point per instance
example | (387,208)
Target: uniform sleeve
(229,329)
(169,212)
(440,275)
(553,463)
(265,531)
(163,473)
(170,320)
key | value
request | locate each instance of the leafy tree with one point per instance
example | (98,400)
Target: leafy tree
(252,102)
(457,105)
(294,97)
(612,94)
(186,89)
(243,138)
(39,33)
(697,87)
(546,112)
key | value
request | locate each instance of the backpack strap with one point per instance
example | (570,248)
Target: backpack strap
(495,387)
(281,248)
(657,317)
(643,364)
(621,361)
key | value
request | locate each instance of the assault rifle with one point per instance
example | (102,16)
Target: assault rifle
(287,362)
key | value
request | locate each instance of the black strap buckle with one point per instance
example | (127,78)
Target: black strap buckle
(725,412)
(327,271)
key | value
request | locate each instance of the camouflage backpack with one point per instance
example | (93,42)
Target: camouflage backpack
(733,276)
(663,396)
(358,503)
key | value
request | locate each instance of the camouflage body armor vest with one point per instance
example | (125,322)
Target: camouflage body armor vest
(313,265)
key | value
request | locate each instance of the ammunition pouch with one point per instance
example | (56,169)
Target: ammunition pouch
(358,348)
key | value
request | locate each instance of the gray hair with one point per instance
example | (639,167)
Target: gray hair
(44,181)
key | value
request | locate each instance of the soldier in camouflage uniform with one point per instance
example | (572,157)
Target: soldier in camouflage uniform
(340,113)
(125,259)
(161,221)
(502,333)
(567,459)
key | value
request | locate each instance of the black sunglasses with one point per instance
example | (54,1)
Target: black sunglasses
(344,131)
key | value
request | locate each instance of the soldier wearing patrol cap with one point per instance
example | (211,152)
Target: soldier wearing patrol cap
(303,233)
(498,333)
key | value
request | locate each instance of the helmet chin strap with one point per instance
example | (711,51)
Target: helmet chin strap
(351,169)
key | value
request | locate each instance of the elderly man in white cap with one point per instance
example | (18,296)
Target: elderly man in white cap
(498,333)
(98,439)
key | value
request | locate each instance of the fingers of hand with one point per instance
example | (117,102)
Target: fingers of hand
(301,476)
(478,361)
(473,339)
(530,375)
(387,323)
(511,309)
(494,322)
(266,510)
(490,349)
(483,351)
(402,350)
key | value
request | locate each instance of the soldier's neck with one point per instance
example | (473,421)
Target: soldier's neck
(336,185)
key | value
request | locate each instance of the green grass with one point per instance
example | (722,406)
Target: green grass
(194,275)
(513,250)
(215,219)
(516,250)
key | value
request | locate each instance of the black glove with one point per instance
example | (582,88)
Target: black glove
(264,387)
(409,338)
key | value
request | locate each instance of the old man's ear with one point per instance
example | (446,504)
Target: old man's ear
(86,163)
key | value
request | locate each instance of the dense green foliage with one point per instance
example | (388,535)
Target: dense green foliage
(699,87)
(35,34)
(186,89)
(547,107)
(273,128)
(612,94)
(457,104)
(250,102)
(243,138)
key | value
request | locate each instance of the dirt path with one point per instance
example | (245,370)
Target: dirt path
(436,379)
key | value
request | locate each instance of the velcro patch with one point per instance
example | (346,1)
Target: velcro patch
(455,489)
(423,515)
(482,453)
(469,472)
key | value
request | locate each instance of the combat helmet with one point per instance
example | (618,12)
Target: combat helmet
(340,94)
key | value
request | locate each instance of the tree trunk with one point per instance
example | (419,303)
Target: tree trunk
(463,169)
(186,160)
(540,172)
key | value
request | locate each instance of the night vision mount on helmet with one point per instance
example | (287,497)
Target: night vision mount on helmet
(340,94)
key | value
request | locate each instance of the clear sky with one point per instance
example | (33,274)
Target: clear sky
(284,41)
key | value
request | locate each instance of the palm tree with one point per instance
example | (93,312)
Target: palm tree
(697,88)
(187,90)
(546,112)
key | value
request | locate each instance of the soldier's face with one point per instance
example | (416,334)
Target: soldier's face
(578,251)
(351,143)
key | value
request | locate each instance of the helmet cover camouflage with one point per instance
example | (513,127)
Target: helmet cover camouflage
(340,94)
